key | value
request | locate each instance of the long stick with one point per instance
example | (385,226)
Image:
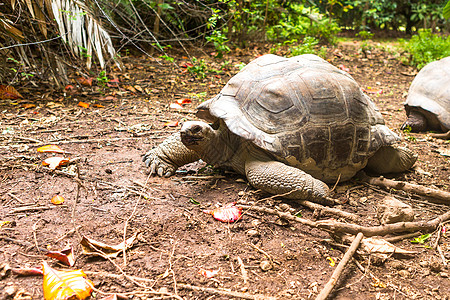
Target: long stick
(337,272)
(440,195)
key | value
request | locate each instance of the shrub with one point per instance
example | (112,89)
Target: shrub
(426,47)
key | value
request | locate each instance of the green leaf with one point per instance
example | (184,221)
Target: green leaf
(421,239)
(192,200)
(447,10)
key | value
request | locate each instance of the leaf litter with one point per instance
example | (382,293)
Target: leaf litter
(175,237)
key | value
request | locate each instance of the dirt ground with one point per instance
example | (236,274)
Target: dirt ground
(112,198)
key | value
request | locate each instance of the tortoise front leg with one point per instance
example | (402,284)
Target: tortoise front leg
(278,178)
(168,156)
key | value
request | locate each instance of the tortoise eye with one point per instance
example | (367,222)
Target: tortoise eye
(196,129)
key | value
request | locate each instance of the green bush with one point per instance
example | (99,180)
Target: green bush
(309,45)
(426,47)
(300,21)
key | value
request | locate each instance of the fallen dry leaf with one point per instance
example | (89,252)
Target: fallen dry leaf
(9,92)
(50,148)
(208,273)
(98,105)
(55,162)
(28,105)
(343,68)
(331,261)
(57,200)
(228,213)
(93,247)
(66,256)
(382,247)
(64,285)
(171,124)
(175,106)
(184,101)
(83,104)
(85,81)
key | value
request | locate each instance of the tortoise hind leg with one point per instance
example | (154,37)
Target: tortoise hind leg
(391,159)
(280,179)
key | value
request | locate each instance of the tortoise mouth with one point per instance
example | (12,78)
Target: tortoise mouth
(189,140)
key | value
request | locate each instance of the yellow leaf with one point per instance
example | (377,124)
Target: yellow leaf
(62,285)
(50,148)
(332,263)
(4,223)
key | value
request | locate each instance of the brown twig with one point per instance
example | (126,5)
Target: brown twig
(31,208)
(368,231)
(439,195)
(424,226)
(15,198)
(329,210)
(402,237)
(244,272)
(338,271)
(265,254)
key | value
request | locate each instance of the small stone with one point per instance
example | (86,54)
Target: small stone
(255,223)
(397,265)
(444,274)
(10,291)
(435,266)
(423,263)
(403,273)
(392,210)
(363,199)
(265,265)
(253,232)
(241,193)
(163,290)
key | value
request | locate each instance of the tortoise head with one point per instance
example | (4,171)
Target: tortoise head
(197,135)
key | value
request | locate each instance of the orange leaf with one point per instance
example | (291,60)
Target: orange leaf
(69,87)
(228,213)
(57,200)
(28,105)
(50,148)
(208,273)
(184,101)
(171,124)
(55,162)
(9,92)
(65,256)
(83,104)
(62,285)
(98,105)
(85,81)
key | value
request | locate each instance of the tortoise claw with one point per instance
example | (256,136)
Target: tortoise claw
(158,166)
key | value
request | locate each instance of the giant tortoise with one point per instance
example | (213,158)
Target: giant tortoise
(428,102)
(289,125)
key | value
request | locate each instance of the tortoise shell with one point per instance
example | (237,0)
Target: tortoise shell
(305,112)
(430,94)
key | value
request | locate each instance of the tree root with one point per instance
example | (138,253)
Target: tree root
(438,195)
